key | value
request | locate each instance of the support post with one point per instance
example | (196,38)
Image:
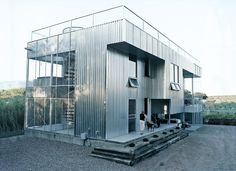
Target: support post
(193,114)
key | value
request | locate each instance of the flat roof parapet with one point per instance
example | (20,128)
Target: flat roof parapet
(106,16)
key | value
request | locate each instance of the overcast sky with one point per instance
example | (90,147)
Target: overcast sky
(205,28)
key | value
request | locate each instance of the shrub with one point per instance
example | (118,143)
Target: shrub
(12,109)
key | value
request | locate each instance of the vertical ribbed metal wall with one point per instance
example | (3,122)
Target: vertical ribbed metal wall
(91,56)
(144,41)
(154,87)
(117,93)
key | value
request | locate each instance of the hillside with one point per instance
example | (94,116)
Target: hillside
(221,99)
(12,84)
(10,93)
(220,110)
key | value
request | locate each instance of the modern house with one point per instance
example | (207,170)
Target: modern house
(96,73)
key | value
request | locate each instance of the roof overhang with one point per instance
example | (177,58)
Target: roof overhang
(188,74)
(129,49)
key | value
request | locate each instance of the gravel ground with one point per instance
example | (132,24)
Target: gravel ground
(209,148)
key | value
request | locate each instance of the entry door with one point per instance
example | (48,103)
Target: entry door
(146,106)
(132,113)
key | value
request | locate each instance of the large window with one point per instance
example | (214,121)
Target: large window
(171,72)
(132,67)
(132,80)
(174,77)
(174,73)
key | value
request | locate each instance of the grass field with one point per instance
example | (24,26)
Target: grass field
(12,109)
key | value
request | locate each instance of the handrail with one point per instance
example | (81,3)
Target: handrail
(79,17)
(159,32)
(70,22)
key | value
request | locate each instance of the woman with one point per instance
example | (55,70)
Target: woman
(142,122)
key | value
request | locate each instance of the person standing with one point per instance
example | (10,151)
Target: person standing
(142,122)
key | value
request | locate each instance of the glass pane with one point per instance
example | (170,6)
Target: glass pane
(57,70)
(64,42)
(41,49)
(176,74)
(30,112)
(52,45)
(132,69)
(47,112)
(171,73)
(39,112)
(31,72)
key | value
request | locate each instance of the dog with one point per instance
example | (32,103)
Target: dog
(150,125)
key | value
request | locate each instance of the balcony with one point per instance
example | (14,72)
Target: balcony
(193,105)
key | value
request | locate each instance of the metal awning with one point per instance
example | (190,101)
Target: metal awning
(132,50)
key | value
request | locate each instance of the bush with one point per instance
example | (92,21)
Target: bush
(218,115)
(12,109)
(217,118)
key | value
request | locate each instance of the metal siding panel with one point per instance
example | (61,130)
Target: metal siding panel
(129,33)
(91,54)
(154,47)
(117,94)
(143,40)
(159,49)
(149,44)
(137,37)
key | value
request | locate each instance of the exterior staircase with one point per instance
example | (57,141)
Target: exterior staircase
(70,113)
(70,75)
(140,149)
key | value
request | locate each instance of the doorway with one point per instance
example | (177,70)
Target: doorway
(161,106)
(131,115)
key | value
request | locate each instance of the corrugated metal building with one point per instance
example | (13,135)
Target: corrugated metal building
(95,74)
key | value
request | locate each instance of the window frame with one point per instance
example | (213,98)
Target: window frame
(174,73)
(133,59)
(175,86)
(133,82)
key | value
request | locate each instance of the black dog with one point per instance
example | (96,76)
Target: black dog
(150,125)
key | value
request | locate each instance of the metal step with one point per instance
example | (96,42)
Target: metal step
(139,150)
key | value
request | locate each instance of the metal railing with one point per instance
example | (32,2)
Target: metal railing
(106,16)
(192,101)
